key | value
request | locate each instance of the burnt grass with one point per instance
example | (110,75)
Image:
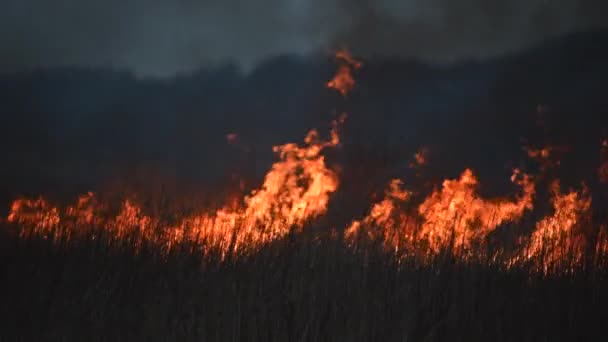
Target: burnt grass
(297,289)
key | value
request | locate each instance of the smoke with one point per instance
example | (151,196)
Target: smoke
(160,38)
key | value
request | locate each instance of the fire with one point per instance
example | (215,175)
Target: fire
(452,217)
(386,221)
(558,237)
(456,217)
(420,158)
(548,157)
(295,190)
(343,81)
(542,153)
(298,187)
(601,243)
(37,214)
(131,220)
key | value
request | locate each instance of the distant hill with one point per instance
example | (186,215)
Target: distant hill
(71,129)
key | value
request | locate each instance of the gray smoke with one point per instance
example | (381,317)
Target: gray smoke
(159,38)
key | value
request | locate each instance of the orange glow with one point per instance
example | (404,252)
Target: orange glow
(131,220)
(343,81)
(295,190)
(386,221)
(557,237)
(601,244)
(38,215)
(542,153)
(456,217)
(420,158)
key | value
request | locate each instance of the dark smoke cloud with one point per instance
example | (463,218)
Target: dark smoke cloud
(165,37)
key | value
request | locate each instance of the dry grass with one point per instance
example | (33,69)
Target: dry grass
(297,289)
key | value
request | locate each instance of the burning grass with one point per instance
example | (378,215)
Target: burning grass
(417,267)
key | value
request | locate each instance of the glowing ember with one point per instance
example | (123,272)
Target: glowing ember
(542,153)
(420,158)
(343,81)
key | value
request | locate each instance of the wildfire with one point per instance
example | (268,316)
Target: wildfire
(558,237)
(343,81)
(386,221)
(454,217)
(296,189)
(37,213)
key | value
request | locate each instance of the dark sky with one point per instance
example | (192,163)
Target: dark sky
(159,38)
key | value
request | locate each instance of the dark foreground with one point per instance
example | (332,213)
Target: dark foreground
(295,290)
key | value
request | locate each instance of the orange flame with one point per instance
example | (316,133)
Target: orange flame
(385,221)
(556,237)
(542,153)
(420,158)
(295,190)
(343,81)
(457,217)
(454,217)
(37,214)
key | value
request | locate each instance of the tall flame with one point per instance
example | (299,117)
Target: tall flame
(452,217)
(297,189)
(386,221)
(457,217)
(557,237)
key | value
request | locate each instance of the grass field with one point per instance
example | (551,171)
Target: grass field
(300,288)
